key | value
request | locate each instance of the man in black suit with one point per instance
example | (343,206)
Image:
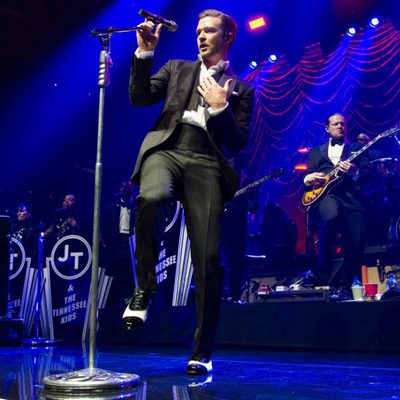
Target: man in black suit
(204,120)
(342,209)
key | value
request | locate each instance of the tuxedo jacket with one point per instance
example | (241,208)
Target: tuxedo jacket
(227,132)
(350,190)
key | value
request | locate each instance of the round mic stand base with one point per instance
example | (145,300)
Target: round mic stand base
(88,381)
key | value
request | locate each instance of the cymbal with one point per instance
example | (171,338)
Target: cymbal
(384,160)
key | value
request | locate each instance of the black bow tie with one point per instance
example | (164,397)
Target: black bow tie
(336,141)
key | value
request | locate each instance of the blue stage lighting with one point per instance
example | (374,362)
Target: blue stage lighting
(351,31)
(253,64)
(272,58)
(374,22)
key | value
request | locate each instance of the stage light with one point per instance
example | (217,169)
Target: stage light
(257,23)
(303,150)
(374,22)
(301,167)
(351,31)
(272,58)
(253,64)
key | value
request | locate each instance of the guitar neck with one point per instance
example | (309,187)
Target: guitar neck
(358,152)
(258,182)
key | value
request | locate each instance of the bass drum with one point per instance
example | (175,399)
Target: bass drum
(394,230)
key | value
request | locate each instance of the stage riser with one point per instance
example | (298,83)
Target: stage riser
(347,326)
(366,326)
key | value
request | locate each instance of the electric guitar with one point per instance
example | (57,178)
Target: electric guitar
(313,196)
(265,178)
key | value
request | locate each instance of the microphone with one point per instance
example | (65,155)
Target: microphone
(158,19)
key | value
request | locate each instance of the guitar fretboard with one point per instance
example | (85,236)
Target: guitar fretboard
(275,174)
(387,133)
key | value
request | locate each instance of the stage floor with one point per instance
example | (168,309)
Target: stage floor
(251,374)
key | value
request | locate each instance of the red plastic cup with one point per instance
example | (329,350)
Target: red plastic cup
(371,289)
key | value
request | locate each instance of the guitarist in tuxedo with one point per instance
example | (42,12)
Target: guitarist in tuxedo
(342,208)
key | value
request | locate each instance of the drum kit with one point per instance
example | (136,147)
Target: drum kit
(383,205)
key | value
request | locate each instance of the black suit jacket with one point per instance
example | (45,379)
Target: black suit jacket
(174,82)
(350,190)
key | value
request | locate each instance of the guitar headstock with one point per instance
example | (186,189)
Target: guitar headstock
(279,172)
(391,131)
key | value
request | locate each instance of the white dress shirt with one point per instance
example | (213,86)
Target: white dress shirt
(197,117)
(124,220)
(335,152)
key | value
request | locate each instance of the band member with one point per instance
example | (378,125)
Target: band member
(67,220)
(342,209)
(363,138)
(25,229)
(206,115)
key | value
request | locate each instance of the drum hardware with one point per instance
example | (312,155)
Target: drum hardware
(386,166)
(394,230)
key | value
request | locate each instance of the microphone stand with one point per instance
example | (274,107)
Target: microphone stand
(102,33)
(91,379)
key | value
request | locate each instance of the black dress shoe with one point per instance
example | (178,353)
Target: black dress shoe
(199,367)
(136,312)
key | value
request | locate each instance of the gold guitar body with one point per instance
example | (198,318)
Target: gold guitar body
(313,196)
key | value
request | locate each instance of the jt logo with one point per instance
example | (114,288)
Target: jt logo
(18,259)
(74,254)
(70,257)
(13,255)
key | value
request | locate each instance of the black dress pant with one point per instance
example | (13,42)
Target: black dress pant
(335,217)
(194,179)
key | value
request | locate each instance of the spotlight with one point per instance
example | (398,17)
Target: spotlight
(272,58)
(301,167)
(351,31)
(253,64)
(257,23)
(303,150)
(374,22)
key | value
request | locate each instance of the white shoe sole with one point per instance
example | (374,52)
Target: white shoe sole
(141,314)
(207,366)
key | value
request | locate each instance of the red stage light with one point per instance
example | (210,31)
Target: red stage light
(303,150)
(301,167)
(257,23)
